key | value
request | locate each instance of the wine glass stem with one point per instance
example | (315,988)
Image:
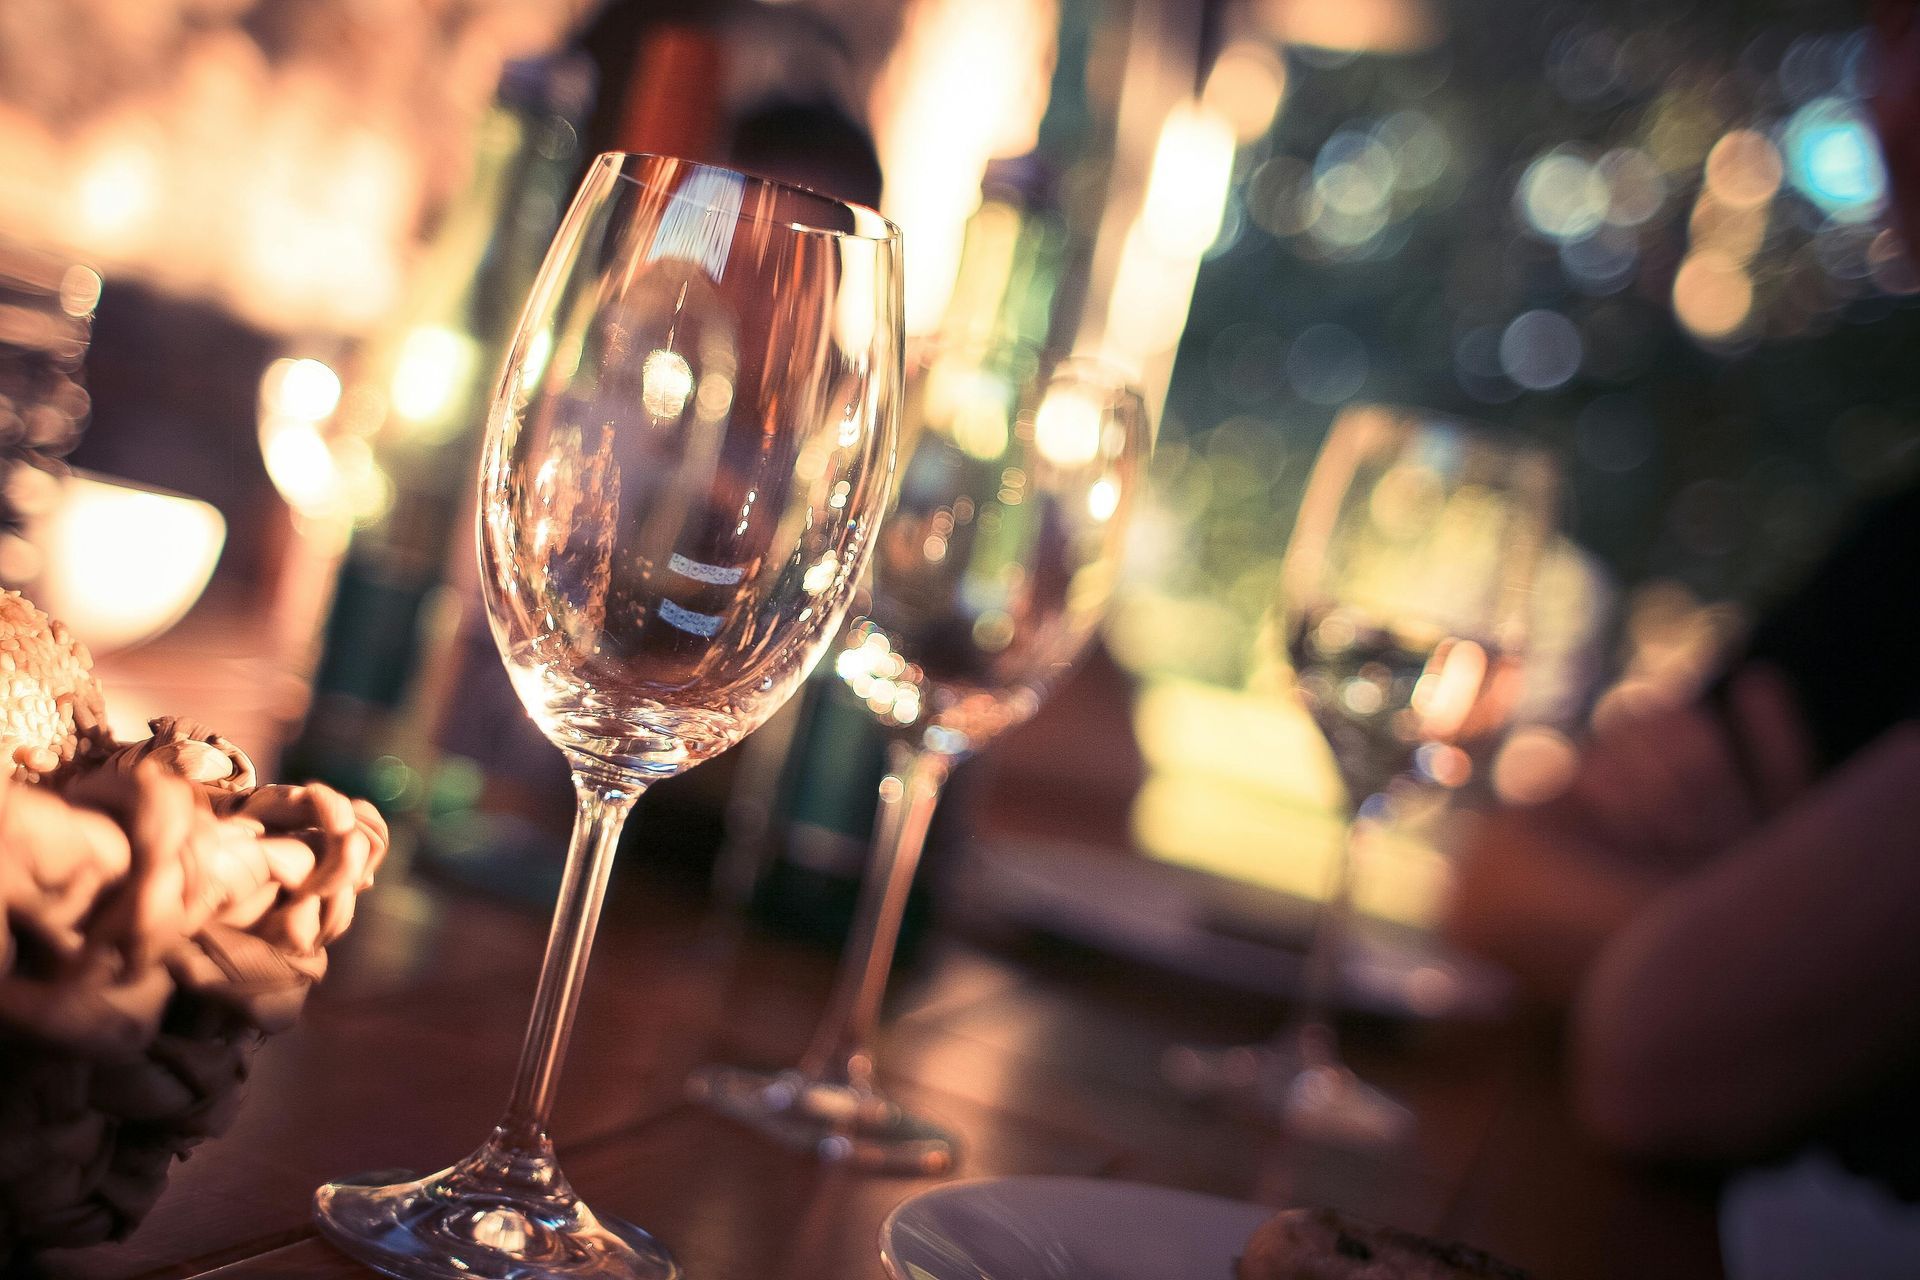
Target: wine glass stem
(1310,1032)
(841,1051)
(604,801)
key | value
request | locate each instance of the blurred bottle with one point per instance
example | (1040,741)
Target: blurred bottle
(417,395)
(1012,262)
(800,815)
(496,805)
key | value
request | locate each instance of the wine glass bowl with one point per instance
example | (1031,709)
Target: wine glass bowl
(1406,591)
(999,557)
(1404,603)
(992,573)
(680,486)
(687,458)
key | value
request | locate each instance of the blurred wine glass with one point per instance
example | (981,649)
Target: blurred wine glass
(993,571)
(1404,607)
(686,465)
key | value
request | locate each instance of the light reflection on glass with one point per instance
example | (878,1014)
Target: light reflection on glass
(666,383)
(1066,429)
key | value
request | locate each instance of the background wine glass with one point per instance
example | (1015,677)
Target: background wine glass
(993,571)
(687,462)
(1404,603)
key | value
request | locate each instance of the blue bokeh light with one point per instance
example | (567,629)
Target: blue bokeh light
(1833,159)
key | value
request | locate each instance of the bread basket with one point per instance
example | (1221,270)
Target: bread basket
(163,914)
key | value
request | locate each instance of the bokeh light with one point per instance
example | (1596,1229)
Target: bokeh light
(1601,263)
(1418,146)
(1245,87)
(1636,189)
(1834,161)
(1188,183)
(1712,296)
(1562,196)
(1354,175)
(1891,264)
(1743,169)
(1540,350)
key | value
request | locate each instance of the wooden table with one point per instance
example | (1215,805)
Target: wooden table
(1043,1060)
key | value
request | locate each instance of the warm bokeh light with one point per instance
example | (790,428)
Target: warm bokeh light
(118,188)
(968,402)
(325,473)
(305,389)
(433,364)
(1743,169)
(1712,295)
(275,157)
(878,676)
(1242,785)
(966,83)
(1245,87)
(123,563)
(1066,429)
(1534,765)
(1186,192)
(1353,26)
(1187,187)
(1449,688)
(1734,232)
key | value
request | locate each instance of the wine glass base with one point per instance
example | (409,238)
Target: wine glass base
(1318,1100)
(835,1122)
(445,1227)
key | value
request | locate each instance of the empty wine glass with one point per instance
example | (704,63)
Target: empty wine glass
(992,573)
(686,465)
(1404,603)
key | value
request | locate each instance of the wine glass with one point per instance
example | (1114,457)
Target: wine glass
(685,468)
(992,573)
(1404,602)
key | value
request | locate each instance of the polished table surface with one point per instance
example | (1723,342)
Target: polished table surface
(1043,1059)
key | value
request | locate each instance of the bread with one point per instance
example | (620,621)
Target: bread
(1319,1244)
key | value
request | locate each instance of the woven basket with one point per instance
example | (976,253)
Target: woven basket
(163,914)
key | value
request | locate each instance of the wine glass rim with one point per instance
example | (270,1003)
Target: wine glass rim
(869,223)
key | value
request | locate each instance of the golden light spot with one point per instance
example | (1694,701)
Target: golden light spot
(666,382)
(1743,169)
(1712,295)
(1067,428)
(1245,88)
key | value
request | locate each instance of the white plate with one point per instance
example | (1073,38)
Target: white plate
(1065,1229)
